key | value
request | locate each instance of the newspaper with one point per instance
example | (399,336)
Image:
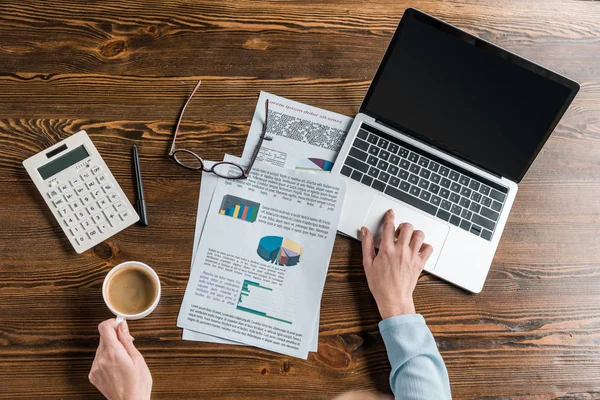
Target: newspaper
(259,272)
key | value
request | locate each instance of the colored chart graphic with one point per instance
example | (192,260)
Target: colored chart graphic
(315,164)
(262,301)
(238,208)
(279,251)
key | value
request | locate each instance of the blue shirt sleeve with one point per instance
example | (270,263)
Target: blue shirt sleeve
(418,371)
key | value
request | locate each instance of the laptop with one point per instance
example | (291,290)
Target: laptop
(448,128)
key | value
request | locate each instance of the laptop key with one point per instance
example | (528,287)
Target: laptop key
(373,139)
(384,176)
(446,205)
(413,179)
(445,215)
(415,191)
(357,176)
(413,157)
(362,134)
(403,152)
(486,212)
(464,224)
(436,200)
(356,164)
(464,202)
(395,182)
(444,193)
(393,148)
(456,209)
(374,172)
(356,153)
(414,168)
(384,155)
(425,195)
(486,201)
(484,222)
(372,160)
(425,173)
(455,187)
(496,206)
(474,185)
(413,201)
(475,207)
(423,183)
(405,186)
(475,230)
(433,188)
(403,174)
(346,170)
(454,176)
(361,144)
(466,214)
(476,196)
(393,170)
(464,180)
(444,171)
(378,185)
(404,164)
(423,162)
(465,191)
(455,198)
(487,235)
(484,189)
(382,165)
(434,166)
(367,180)
(435,178)
(445,182)
(454,220)
(394,159)
(496,195)
(383,143)
(374,150)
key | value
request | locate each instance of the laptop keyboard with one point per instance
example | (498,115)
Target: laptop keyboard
(409,174)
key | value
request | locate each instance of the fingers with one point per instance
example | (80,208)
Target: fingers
(388,237)
(127,341)
(425,252)
(416,241)
(368,247)
(107,331)
(406,231)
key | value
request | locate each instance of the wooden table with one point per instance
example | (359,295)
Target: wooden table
(121,69)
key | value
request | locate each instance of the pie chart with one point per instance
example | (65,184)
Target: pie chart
(279,250)
(315,164)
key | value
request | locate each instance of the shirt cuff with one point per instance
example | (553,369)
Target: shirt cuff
(398,320)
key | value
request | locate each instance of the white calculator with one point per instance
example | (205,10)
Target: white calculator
(82,193)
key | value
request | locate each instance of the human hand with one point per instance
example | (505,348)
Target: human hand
(119,370)
(392,274)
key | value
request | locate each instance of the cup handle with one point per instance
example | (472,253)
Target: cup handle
(119,319)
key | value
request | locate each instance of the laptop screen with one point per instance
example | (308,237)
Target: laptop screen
(466,96)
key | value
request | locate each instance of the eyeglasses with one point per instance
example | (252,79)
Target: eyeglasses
(223,169)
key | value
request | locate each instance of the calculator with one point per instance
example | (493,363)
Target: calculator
(81,192)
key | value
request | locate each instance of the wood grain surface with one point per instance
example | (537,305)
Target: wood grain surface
(121,69)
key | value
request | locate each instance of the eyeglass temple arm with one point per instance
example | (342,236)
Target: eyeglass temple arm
(172,150)
(262,138)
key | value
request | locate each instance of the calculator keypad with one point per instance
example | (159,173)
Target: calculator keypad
(89,205)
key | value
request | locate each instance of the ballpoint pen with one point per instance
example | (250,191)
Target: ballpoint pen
(141,203)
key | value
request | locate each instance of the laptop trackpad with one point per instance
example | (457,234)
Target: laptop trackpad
(435,231)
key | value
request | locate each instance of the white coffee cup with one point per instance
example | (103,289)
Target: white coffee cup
(120,316)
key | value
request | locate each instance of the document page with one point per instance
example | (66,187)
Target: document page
(299,136)
(260,268)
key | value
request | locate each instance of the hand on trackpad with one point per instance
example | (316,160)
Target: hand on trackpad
(435,231)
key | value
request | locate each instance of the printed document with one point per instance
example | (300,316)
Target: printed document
(261,264)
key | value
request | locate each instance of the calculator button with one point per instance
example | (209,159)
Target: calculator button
(80,190)
(81,239)
(107,187)
(112,218)
(91,184)
(70,221)
(103,227)
(63,187)
(119,206)
(112,197)
(87,224)
(75,230)
(97,218)
(75,181)
(97,193)
(69,196)
(85,175)
(81,215)
(85,199)
(124,215)
(92,208)
(102,179)
(93,233)
(64,211)
(103,202)
(52,193)
(59,202)
(75,206)
(95,169)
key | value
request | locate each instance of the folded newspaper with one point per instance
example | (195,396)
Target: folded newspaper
(262,246)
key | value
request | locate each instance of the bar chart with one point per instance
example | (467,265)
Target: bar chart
(261,300)
(238,208)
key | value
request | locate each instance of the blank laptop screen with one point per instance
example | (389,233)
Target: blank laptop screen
(466,96)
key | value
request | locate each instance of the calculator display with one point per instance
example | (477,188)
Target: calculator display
(63,162)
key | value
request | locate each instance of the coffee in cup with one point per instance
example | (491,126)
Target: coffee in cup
(131,290)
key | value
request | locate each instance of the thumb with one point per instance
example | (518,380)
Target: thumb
(127,341)
(368,247)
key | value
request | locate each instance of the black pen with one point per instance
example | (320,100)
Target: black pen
(139,187)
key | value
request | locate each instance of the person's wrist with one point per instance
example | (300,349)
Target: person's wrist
(392,310)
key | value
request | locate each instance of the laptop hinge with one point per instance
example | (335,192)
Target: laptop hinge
(438,149)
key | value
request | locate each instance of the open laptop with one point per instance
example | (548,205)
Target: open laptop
(448,128)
